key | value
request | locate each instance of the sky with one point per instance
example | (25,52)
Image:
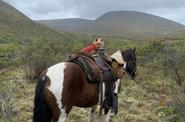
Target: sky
(92,9)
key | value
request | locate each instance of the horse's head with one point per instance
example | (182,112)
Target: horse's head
(129,56)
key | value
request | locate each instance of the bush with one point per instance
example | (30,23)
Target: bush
(40,54)
(8,54)
(8,109)
(174,65)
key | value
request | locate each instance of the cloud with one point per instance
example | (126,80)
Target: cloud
(91,9)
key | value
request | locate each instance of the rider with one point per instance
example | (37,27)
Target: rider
(97,47)
(94,47)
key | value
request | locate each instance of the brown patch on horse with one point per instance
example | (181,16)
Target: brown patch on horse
(51,101)
(77,91)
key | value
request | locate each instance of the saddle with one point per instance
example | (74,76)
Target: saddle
(88,65)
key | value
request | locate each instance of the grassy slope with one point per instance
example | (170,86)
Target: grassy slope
(17,31)
(15,25)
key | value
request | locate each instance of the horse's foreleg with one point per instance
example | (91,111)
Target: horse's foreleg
(106,115)
(92,115)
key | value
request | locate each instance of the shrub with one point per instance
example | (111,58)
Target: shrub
(8,54)
(40,54)
(8,109)
(174,64)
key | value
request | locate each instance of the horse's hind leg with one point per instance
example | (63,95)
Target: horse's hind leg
(58,114)
(92,116)
(54,91)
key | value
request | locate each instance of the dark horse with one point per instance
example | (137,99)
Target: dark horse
(64,85)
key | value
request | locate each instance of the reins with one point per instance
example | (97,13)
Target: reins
(140,84)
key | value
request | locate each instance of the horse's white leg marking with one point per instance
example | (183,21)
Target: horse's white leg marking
(117,86)
(92,115)
(56,75)
(107,116)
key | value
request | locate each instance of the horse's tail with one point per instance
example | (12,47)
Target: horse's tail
(41,111)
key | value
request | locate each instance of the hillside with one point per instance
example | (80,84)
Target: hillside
(16,26)
(124,23)
(18,32)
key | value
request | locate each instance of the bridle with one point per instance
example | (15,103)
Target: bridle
(134,70)
(125,68)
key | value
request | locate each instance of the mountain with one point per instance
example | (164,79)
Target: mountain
(15,26)
(124,23)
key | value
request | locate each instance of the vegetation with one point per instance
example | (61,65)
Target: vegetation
(161,100)
(26,49)
(8,53)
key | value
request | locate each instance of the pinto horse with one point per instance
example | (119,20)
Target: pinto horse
(64,85)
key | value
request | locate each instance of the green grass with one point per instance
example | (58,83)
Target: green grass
(8,53)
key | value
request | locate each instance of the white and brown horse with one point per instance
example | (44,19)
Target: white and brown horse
(64,85)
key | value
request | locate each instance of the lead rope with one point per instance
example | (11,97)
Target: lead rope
(144,86)
(128,87)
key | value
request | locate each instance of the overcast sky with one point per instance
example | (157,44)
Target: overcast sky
(91,9)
